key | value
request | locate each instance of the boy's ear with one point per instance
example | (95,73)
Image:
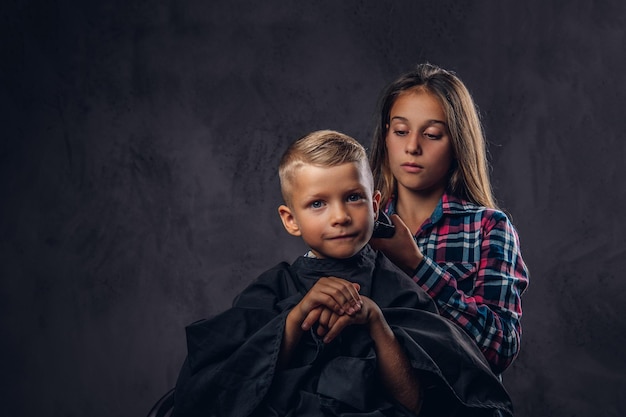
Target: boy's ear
(289,221)
(376,203)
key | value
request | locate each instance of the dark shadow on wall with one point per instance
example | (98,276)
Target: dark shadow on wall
(139,190)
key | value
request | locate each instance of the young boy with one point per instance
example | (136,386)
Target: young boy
(341,331)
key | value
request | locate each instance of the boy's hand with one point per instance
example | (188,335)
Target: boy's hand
(332,324)
(329,293)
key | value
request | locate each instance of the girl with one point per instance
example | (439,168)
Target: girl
(429,161)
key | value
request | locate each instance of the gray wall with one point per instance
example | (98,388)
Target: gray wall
(138,175)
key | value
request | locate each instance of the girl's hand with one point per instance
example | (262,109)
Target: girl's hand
(401,249)
(334,294)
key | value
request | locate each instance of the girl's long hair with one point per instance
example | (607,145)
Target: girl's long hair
(469,174)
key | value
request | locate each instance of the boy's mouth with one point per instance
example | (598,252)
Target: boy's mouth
(343,236)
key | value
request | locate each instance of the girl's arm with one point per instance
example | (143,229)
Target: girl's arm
(491,312)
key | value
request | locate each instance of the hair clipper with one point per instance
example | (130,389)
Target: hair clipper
(383,227)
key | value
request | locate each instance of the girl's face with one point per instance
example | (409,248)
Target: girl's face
(418,143)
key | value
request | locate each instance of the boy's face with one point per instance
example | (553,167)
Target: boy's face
(332,209)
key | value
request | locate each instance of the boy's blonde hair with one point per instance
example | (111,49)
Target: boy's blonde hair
(322,148)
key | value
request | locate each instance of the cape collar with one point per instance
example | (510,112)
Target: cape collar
(358,268)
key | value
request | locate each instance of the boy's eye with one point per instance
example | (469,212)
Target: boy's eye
(355,197)
(316,204)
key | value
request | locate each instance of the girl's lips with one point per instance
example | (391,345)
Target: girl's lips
(408,167)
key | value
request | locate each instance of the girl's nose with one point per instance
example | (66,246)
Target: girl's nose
(413,145)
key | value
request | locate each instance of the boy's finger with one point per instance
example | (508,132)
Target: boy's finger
(325,317)
(336,328)
(324,321)
(342,291)
(311,318)
(333,320)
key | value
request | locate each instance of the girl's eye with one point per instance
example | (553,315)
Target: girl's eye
(400,132)
(432,136)
(316,204)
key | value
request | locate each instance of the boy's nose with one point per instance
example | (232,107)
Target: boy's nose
(340,215)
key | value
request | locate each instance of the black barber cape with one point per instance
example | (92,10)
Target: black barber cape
(230,370)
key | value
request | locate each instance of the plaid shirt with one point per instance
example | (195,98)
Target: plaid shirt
(474,270)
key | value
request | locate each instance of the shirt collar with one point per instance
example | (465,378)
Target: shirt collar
(448,204)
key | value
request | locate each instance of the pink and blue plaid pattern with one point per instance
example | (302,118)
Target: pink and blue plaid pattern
(474,270)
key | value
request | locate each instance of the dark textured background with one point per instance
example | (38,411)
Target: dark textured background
(139,191)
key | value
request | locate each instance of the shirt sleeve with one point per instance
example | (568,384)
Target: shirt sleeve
(490,312)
